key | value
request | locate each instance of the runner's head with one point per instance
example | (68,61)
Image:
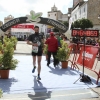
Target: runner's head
(51,33)
(36,29)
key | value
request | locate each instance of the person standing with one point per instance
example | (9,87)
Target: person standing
(52,43)
(36,40)
(59,39)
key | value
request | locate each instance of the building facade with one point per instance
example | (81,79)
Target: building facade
(75,2)
(79,12)
(1,23)
(93,10)
(57,14)
(6,19)
(87,9)
(1,32)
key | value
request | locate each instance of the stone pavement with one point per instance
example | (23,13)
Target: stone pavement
(23,48)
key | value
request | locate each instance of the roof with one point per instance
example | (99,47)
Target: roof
(79,4)
(54,11)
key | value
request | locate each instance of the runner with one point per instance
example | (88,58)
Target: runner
(36,41)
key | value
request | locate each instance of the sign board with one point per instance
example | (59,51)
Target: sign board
(90,55)
(23,26)
(86,33)
(34,17)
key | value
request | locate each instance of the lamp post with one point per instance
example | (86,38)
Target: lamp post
(99,17)
(99,41)
(69,15)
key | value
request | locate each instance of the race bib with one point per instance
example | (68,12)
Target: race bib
(35,49)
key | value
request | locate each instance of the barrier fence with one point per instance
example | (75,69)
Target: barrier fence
(90,55)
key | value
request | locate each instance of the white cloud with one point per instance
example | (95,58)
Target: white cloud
(19,8)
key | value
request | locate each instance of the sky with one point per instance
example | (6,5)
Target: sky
(19,8)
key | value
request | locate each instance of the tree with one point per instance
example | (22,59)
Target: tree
(83,23)
(66,23)
(72,25)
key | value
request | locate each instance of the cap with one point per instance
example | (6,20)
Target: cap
(51,33)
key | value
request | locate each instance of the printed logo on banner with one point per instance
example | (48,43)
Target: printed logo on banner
(34,16)
(89,58)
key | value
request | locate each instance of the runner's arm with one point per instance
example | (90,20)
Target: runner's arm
(30,43)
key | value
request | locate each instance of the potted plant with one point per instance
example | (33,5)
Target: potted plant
(63,54)
(7,62)
(1,48)
(45,50)
(1,92)
(14,40)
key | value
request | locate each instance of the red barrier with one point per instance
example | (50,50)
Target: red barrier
(89,58)
(73,47)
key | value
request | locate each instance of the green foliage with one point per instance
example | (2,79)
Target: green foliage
(45,49)
(13,39)
(77,24)
(83,23)
(6,59)
(1,46)
(66,23)
(63,52)
(1,93)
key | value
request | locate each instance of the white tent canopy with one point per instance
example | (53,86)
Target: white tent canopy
(21,30)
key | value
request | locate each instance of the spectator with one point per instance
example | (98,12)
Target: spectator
(59,39)
(52,48)
(66,40)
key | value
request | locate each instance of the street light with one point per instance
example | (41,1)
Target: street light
(99,42)
(69,15)
(99,17)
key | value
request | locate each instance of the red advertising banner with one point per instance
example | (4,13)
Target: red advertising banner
(87,33)
(89,58)
(23,26)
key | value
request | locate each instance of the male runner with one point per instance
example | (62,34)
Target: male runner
(36,41)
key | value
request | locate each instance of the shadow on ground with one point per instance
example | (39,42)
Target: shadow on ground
(39,95)
(5,84)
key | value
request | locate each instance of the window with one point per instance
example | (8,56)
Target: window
(84,9)
(80,11)
(75,16)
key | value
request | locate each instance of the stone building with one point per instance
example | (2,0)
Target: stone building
(6,19)
(87,9)
(57,14)
(93,11)
(1,32)
(75,2)
(1,23)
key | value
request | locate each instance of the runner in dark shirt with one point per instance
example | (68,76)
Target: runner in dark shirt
(36,40)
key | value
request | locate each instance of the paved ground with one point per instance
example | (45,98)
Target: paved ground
(24,49)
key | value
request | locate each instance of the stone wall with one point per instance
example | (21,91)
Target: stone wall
(93,11)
